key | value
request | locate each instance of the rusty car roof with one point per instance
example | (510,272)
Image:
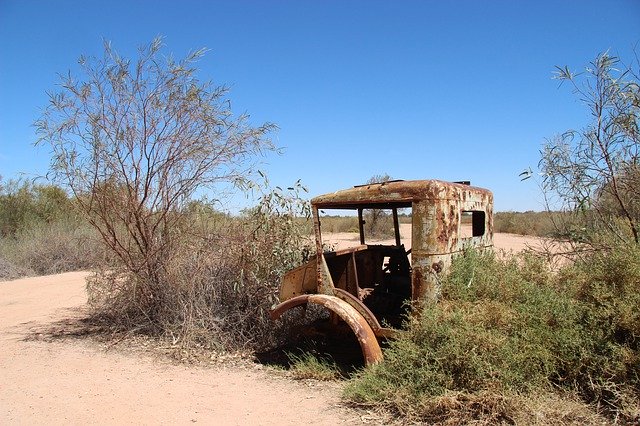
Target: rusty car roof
(399,194)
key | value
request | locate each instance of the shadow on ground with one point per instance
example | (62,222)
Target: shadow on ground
(338,348)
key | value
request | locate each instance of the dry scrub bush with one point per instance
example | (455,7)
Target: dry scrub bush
(336,224)
(221,281)
(594,172)
(52,248)
(378,223)
(540,224)
(134,140)
(41,232)
(10,270)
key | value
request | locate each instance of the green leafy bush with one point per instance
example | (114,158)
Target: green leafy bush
(24,205)
(508,327)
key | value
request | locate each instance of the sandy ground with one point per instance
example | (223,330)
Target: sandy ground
(76,381)
(506,242)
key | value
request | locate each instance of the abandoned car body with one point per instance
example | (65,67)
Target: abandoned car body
(371,286)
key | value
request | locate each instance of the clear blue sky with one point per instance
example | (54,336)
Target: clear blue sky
(417,89)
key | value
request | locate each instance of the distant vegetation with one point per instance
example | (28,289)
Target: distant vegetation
(539,224)
(41,232)
(334,224)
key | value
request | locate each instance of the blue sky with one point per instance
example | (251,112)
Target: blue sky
(450,90)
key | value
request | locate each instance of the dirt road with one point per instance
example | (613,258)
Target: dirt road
(78,382)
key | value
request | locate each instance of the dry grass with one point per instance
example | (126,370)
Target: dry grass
(539,224)
(217,283)
(487,408)
(44,249)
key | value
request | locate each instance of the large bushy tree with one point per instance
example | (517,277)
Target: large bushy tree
(133,140)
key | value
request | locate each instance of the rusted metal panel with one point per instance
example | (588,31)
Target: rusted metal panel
(367,339)
(437,237)
(298,281)
(365,335)
(398,193)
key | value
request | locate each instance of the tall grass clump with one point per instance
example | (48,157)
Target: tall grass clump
(43,249)
(507,328)
(41,232)
(308,365)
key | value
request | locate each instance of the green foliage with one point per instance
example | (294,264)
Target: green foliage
(309,366)
(539,224)
(593,172)
(607,285)
(509,327)
(24,205)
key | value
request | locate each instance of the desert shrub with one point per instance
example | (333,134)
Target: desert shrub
(335,224)
(607,285)
(593,171)
(220,283)
(134,140)
(51,248)
(506,328)
(41,232)
(378,223)
(539,224)
(24,205)
(10,270)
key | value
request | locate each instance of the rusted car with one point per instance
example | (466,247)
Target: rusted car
(372,285)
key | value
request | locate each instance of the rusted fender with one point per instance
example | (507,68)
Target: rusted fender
(366,337)
(362,309)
